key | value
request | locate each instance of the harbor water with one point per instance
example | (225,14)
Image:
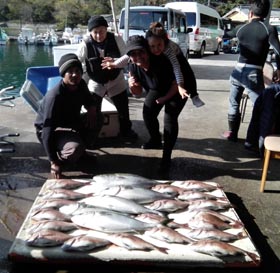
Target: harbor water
(15,59)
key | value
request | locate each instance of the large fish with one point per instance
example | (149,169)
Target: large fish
(126,179)
(195,185)
(214,234)
(168,235)
(109,222)
(46,238)
(135,193)
(220,249)
(132,242)
(116,203)
(84,243)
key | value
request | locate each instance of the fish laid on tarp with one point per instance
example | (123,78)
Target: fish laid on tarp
(195,185)
(62,194)
(109,222)
(168,189)
(166,205)
(168,235)
(47,238)
(52,203)
(138,194)
(132,242)
(127,179)
(68,184)
(53,225)
(83,243)
(49,214)
(208,204)
(152,218)
(196,195)
(214,234)
(220,249)
(210,221)
(116,203)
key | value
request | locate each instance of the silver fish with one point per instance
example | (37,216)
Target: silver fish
(133,242)
(135,193)
(62,194)
(167,235)
(109,222)
(127,179)
(165,205)
(53,225)
(79,208)
(49,214)
(84,243)
(214,234)
(195,185)
(68,184)
(46,238)
(220,249)
(116,203)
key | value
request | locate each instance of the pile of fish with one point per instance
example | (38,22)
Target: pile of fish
(134,212)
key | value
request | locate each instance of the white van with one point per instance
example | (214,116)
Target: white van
(174,21)
(207,26)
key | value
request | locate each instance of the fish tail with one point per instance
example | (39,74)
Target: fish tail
(162,249)
(237,225)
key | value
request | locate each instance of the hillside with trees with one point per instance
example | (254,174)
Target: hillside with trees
(73,12)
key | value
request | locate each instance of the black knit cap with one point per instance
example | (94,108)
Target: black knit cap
(136,42)
(67,61)
(96,21)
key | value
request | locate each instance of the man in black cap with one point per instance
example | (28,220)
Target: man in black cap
(60,126)
(104,82)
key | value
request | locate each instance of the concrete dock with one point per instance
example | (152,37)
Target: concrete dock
(199,154)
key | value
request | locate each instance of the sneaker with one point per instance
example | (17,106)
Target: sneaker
(129,134)
(151,145)
(229,136)
(197,101)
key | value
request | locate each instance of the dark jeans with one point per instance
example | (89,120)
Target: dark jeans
(121,103)
(265,118)
(172,109)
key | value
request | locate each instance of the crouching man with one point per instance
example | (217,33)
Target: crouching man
(64,132)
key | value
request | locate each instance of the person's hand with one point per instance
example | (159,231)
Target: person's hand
(135,87)
(277,78)
(183,92)
(108,63)
(161,100)
(56,170)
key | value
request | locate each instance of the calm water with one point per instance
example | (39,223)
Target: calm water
(15,59)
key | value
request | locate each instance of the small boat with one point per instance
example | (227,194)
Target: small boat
(51,38)
(27,36)
(3,37)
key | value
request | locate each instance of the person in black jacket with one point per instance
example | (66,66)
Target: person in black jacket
(155,75)
(61,128)
(254,39)
(265,119)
